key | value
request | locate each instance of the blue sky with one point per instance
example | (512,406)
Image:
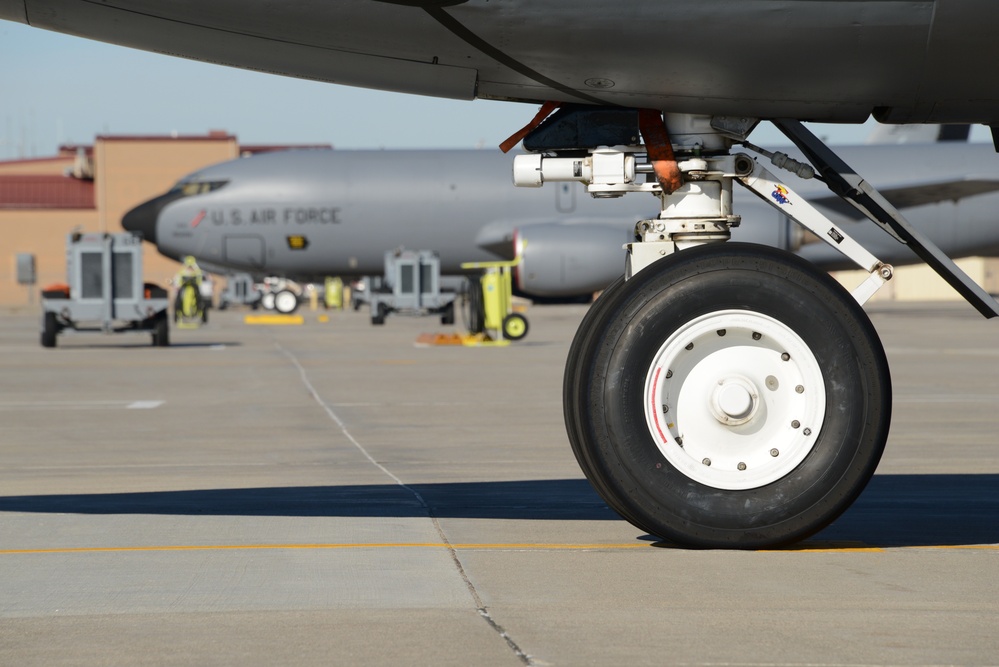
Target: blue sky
(60,89)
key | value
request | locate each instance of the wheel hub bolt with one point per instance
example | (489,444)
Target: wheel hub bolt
(690,346)
(795,424)
(785,356)
(807,431)
(800,389)
(757,336)
(706,462)
(742,466)
(722,332)
(774,452)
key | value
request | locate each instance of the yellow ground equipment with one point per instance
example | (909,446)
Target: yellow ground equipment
(333,294)
(490,309)
(189,308)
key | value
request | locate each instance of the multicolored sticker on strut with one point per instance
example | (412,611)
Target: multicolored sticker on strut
(780,194)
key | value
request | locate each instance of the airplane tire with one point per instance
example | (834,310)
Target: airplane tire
(582,341)
(285,302)
(514,326)
(267,301)
(729,396)
(50,328)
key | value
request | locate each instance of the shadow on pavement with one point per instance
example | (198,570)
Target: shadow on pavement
(556,499)
(922,510)
(894,511)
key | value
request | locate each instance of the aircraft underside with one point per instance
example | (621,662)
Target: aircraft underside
(905,61)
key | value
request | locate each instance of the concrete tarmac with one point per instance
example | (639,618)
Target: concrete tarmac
(331,494)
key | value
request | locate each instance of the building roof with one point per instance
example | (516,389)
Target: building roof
(42,191)
(214,135)
(27,190)
(246,149)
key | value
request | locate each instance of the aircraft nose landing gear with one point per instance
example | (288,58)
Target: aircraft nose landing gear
(723,394)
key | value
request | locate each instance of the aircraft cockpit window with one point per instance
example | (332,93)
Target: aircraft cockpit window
(190,188)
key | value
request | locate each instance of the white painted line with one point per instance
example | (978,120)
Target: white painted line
(144,405)
(79,405)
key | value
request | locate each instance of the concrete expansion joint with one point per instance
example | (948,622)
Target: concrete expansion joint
(476,599)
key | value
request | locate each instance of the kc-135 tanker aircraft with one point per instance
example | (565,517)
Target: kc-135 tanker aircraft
(720,394)
(307,214)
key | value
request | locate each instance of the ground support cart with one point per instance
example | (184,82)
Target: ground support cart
(104,292)
(411,286)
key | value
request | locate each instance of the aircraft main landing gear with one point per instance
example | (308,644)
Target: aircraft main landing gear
(723,395)
(728,396)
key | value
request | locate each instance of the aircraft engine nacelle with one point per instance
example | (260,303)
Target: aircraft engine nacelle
(569,259)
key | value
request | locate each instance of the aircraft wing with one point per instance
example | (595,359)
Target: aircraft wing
(918,194)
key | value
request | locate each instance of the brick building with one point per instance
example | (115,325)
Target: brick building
(91,187)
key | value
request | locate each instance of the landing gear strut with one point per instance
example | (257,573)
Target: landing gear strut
(724,394)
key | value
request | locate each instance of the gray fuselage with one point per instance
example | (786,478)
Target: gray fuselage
(309,214)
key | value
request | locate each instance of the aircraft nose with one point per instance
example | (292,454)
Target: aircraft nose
(142,219)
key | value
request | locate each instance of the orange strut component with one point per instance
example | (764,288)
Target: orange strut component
(546,110)
(660,150)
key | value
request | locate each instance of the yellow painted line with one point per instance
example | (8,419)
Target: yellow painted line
(805,548)
(826,550)
(273,319)
(371,545)
(468,547)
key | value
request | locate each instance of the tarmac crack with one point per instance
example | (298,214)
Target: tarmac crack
(480,607)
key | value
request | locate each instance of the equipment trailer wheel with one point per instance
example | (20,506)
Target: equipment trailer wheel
(447,315)
(161,331)
(285,302)
(378,314)
(473,311)
(50,328)
(728,396)
(514,326)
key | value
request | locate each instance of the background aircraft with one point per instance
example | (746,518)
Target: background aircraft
(309,214)
(313,213)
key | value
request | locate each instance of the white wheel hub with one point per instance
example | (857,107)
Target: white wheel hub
(735,399)
(285,301)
